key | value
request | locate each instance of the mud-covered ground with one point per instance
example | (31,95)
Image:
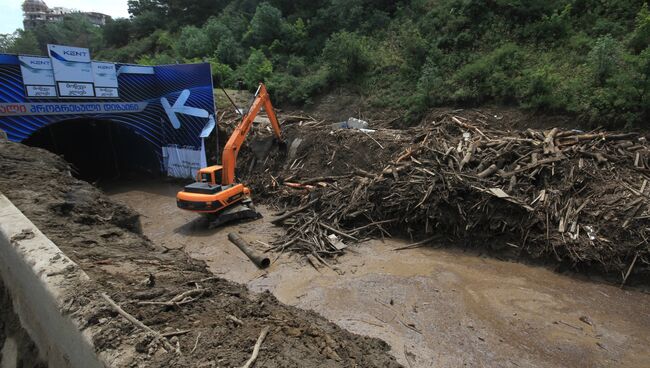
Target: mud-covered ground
(436,307)
(217,326)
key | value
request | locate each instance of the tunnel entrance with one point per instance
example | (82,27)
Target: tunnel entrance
(99,150)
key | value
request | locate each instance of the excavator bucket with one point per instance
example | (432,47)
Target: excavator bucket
(236,212)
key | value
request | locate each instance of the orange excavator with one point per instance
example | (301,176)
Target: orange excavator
(215,192)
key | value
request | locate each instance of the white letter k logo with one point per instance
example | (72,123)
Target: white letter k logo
(180,108)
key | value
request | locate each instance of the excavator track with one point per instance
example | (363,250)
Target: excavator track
(241,211)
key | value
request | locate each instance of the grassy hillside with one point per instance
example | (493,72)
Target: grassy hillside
(587,58)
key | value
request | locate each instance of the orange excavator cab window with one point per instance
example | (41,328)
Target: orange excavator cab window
(205,178)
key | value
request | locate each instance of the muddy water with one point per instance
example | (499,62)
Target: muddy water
(442,308)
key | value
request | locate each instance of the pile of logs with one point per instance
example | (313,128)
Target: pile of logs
(578,197)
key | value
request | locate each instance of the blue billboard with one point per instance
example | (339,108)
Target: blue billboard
(170,106)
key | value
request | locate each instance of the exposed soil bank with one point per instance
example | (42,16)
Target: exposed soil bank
(435,307)
(105,240)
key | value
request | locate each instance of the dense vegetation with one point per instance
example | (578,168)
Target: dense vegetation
(589,58)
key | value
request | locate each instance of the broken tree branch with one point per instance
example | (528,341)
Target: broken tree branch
(256,348)
(135,321)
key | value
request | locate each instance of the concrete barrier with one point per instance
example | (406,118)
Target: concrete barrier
(41,280)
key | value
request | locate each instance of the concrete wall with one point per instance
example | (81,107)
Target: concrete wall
(43,282)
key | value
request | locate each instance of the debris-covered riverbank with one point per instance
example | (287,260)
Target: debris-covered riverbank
(192,317)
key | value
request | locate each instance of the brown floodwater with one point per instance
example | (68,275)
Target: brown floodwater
(434,307)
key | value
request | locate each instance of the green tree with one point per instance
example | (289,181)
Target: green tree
(584,57)
(603,58)
(257,69)
(493,76)
(24,42)
(6,41)
(229,51)
(193,42)
(297,35)
(641,36)
(267,25)
(73,30)
(633,87)
(347,55)
(222,74)
(139,7)
(157,59)
(215,30)
(642,82)
(431,80)
(222,42)
(147,22)
(340,15)
(117,32)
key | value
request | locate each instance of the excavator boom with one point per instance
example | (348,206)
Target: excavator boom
(231,150)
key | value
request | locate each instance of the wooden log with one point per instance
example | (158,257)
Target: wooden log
(260,260)
(339,232)
(468,126)
(488,172)
(324,178)
(468,156)
(280,219)
(298,185)
(598,156)
(592,136)
(549,141)
(532,166)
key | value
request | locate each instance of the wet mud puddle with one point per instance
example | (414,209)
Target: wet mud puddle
(436,308)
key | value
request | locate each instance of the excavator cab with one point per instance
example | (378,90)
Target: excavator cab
(216,193)
(210,174)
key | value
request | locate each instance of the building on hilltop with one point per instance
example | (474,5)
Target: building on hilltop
(36,12)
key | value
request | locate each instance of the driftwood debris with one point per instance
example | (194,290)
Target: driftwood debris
(559,194)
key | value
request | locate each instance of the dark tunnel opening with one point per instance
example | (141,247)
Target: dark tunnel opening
(99,150)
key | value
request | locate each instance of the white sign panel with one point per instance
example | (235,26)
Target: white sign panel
(135,69)
(36,71)
(73,89)
(41,91)
(104,74)
(182,162)
(71,64)
(104,92)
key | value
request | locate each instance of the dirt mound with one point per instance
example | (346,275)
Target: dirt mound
(577,198)
(316,151)
(206,321)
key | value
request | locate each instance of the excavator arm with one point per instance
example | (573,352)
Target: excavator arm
(231,150)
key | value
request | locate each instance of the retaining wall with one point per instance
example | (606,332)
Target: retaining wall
(42,281)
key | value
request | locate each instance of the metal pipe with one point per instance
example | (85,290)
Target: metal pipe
(260,260)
